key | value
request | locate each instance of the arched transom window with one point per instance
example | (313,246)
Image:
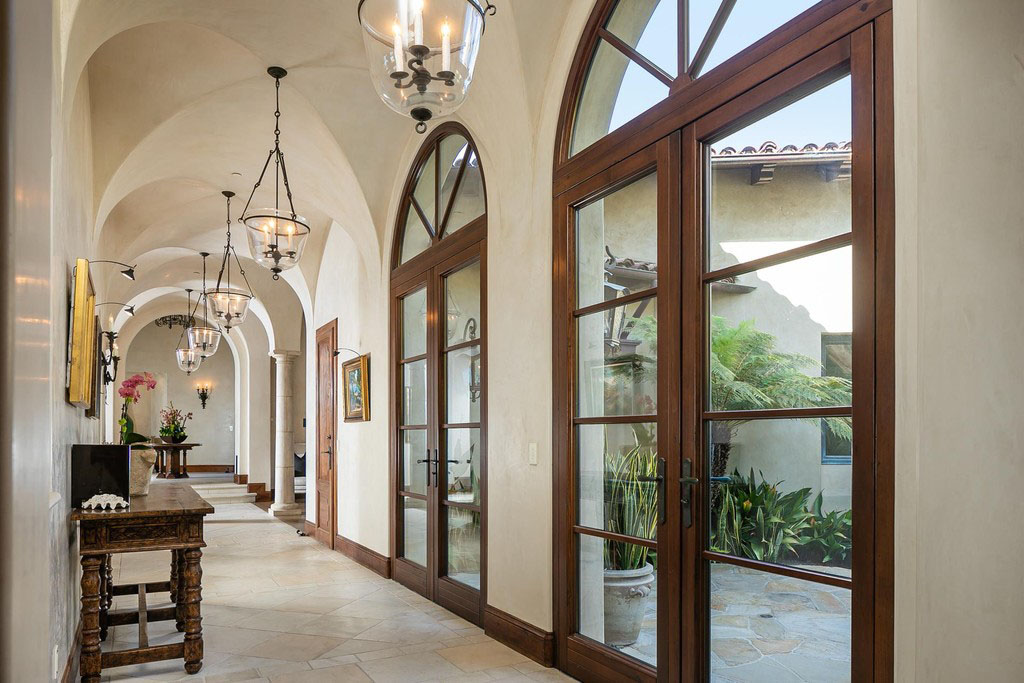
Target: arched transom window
(444,194)
(643,50)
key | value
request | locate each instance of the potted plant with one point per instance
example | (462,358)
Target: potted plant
(142,458)
(748,373)
(172,424)
(630,508)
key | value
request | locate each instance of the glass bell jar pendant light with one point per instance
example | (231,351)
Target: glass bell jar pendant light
(229,305)
(276,236)
(188,358)
(422,53)
(204,338)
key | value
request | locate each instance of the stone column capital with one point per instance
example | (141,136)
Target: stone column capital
(284,355)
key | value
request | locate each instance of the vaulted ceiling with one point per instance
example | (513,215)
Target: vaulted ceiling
(179,107)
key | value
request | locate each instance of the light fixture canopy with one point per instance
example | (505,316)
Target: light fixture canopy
(422,55)
(230,305)
(204,338)
(276,235)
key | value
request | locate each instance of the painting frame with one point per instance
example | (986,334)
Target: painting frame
(355,378)
(82,323)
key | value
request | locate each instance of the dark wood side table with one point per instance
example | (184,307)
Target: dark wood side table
(169,518)
(168,463)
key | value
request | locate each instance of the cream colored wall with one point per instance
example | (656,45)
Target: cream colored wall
(214,426)
(960,250)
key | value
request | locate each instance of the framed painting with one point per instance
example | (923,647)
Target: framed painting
(355,376)
(81,337)
(93,411)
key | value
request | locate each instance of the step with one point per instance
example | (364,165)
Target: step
(225,494)
(229,498)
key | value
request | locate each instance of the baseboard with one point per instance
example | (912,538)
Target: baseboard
(226,469)
(241,478)
(70,673)
(309,529)
(370,559)
(524,638)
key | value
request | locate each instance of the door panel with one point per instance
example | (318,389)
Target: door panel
(440,529)
(326,449)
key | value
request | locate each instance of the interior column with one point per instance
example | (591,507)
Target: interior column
(284,465)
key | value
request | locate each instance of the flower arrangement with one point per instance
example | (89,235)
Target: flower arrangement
(130,392)
(172,423)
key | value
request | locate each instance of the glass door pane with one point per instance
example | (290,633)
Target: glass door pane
(778,393)
(460,431)
(617,467)
(414,438)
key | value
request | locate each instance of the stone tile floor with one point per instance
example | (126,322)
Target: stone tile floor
(280,607)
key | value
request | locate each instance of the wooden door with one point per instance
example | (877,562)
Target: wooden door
(326,450)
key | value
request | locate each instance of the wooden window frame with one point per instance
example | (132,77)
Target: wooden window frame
(832,36)
(447,253)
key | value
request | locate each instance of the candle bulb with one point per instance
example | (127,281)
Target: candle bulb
(418,22)
(399,49)
(403,19)
(446,47)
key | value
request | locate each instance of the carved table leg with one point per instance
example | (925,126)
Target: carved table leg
(106,593)
(90,660)
(184,463)
(192,576)
(178,588)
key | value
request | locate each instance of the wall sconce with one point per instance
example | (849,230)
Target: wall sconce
(204,391)
(110,359)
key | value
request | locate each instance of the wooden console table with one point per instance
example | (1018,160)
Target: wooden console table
(167,460)
(169,518)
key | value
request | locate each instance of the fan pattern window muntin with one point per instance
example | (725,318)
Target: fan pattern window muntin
(697,31)
(436,201)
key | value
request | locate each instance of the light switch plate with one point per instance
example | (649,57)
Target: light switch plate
(533,452)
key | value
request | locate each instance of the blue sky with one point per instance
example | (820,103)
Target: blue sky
(818,118)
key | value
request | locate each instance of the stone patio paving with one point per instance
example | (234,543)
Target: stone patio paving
(768,628)
(772,628)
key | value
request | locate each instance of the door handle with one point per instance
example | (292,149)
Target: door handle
(659,479)
(330,457)
(686,484)
(437,466)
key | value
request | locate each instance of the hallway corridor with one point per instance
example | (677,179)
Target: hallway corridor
(280,607)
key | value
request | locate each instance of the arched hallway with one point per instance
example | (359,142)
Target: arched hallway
(626,340)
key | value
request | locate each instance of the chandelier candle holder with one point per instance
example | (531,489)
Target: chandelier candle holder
(204,338)
(203,391)
(422,53)
(188,358)
(276,236)
(230,306)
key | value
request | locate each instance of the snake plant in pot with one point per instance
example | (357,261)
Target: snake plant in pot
(631,509)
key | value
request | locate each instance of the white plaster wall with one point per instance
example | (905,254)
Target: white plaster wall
(152,350)
(356,296)
(960,250)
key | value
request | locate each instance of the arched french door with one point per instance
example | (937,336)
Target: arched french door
(438,404)
(723,343)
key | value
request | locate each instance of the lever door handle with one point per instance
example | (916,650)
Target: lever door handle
(686,484)
(330,456)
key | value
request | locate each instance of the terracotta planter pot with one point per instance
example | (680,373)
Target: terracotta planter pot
(625,603)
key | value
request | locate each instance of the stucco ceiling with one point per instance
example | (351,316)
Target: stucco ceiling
(174,105)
